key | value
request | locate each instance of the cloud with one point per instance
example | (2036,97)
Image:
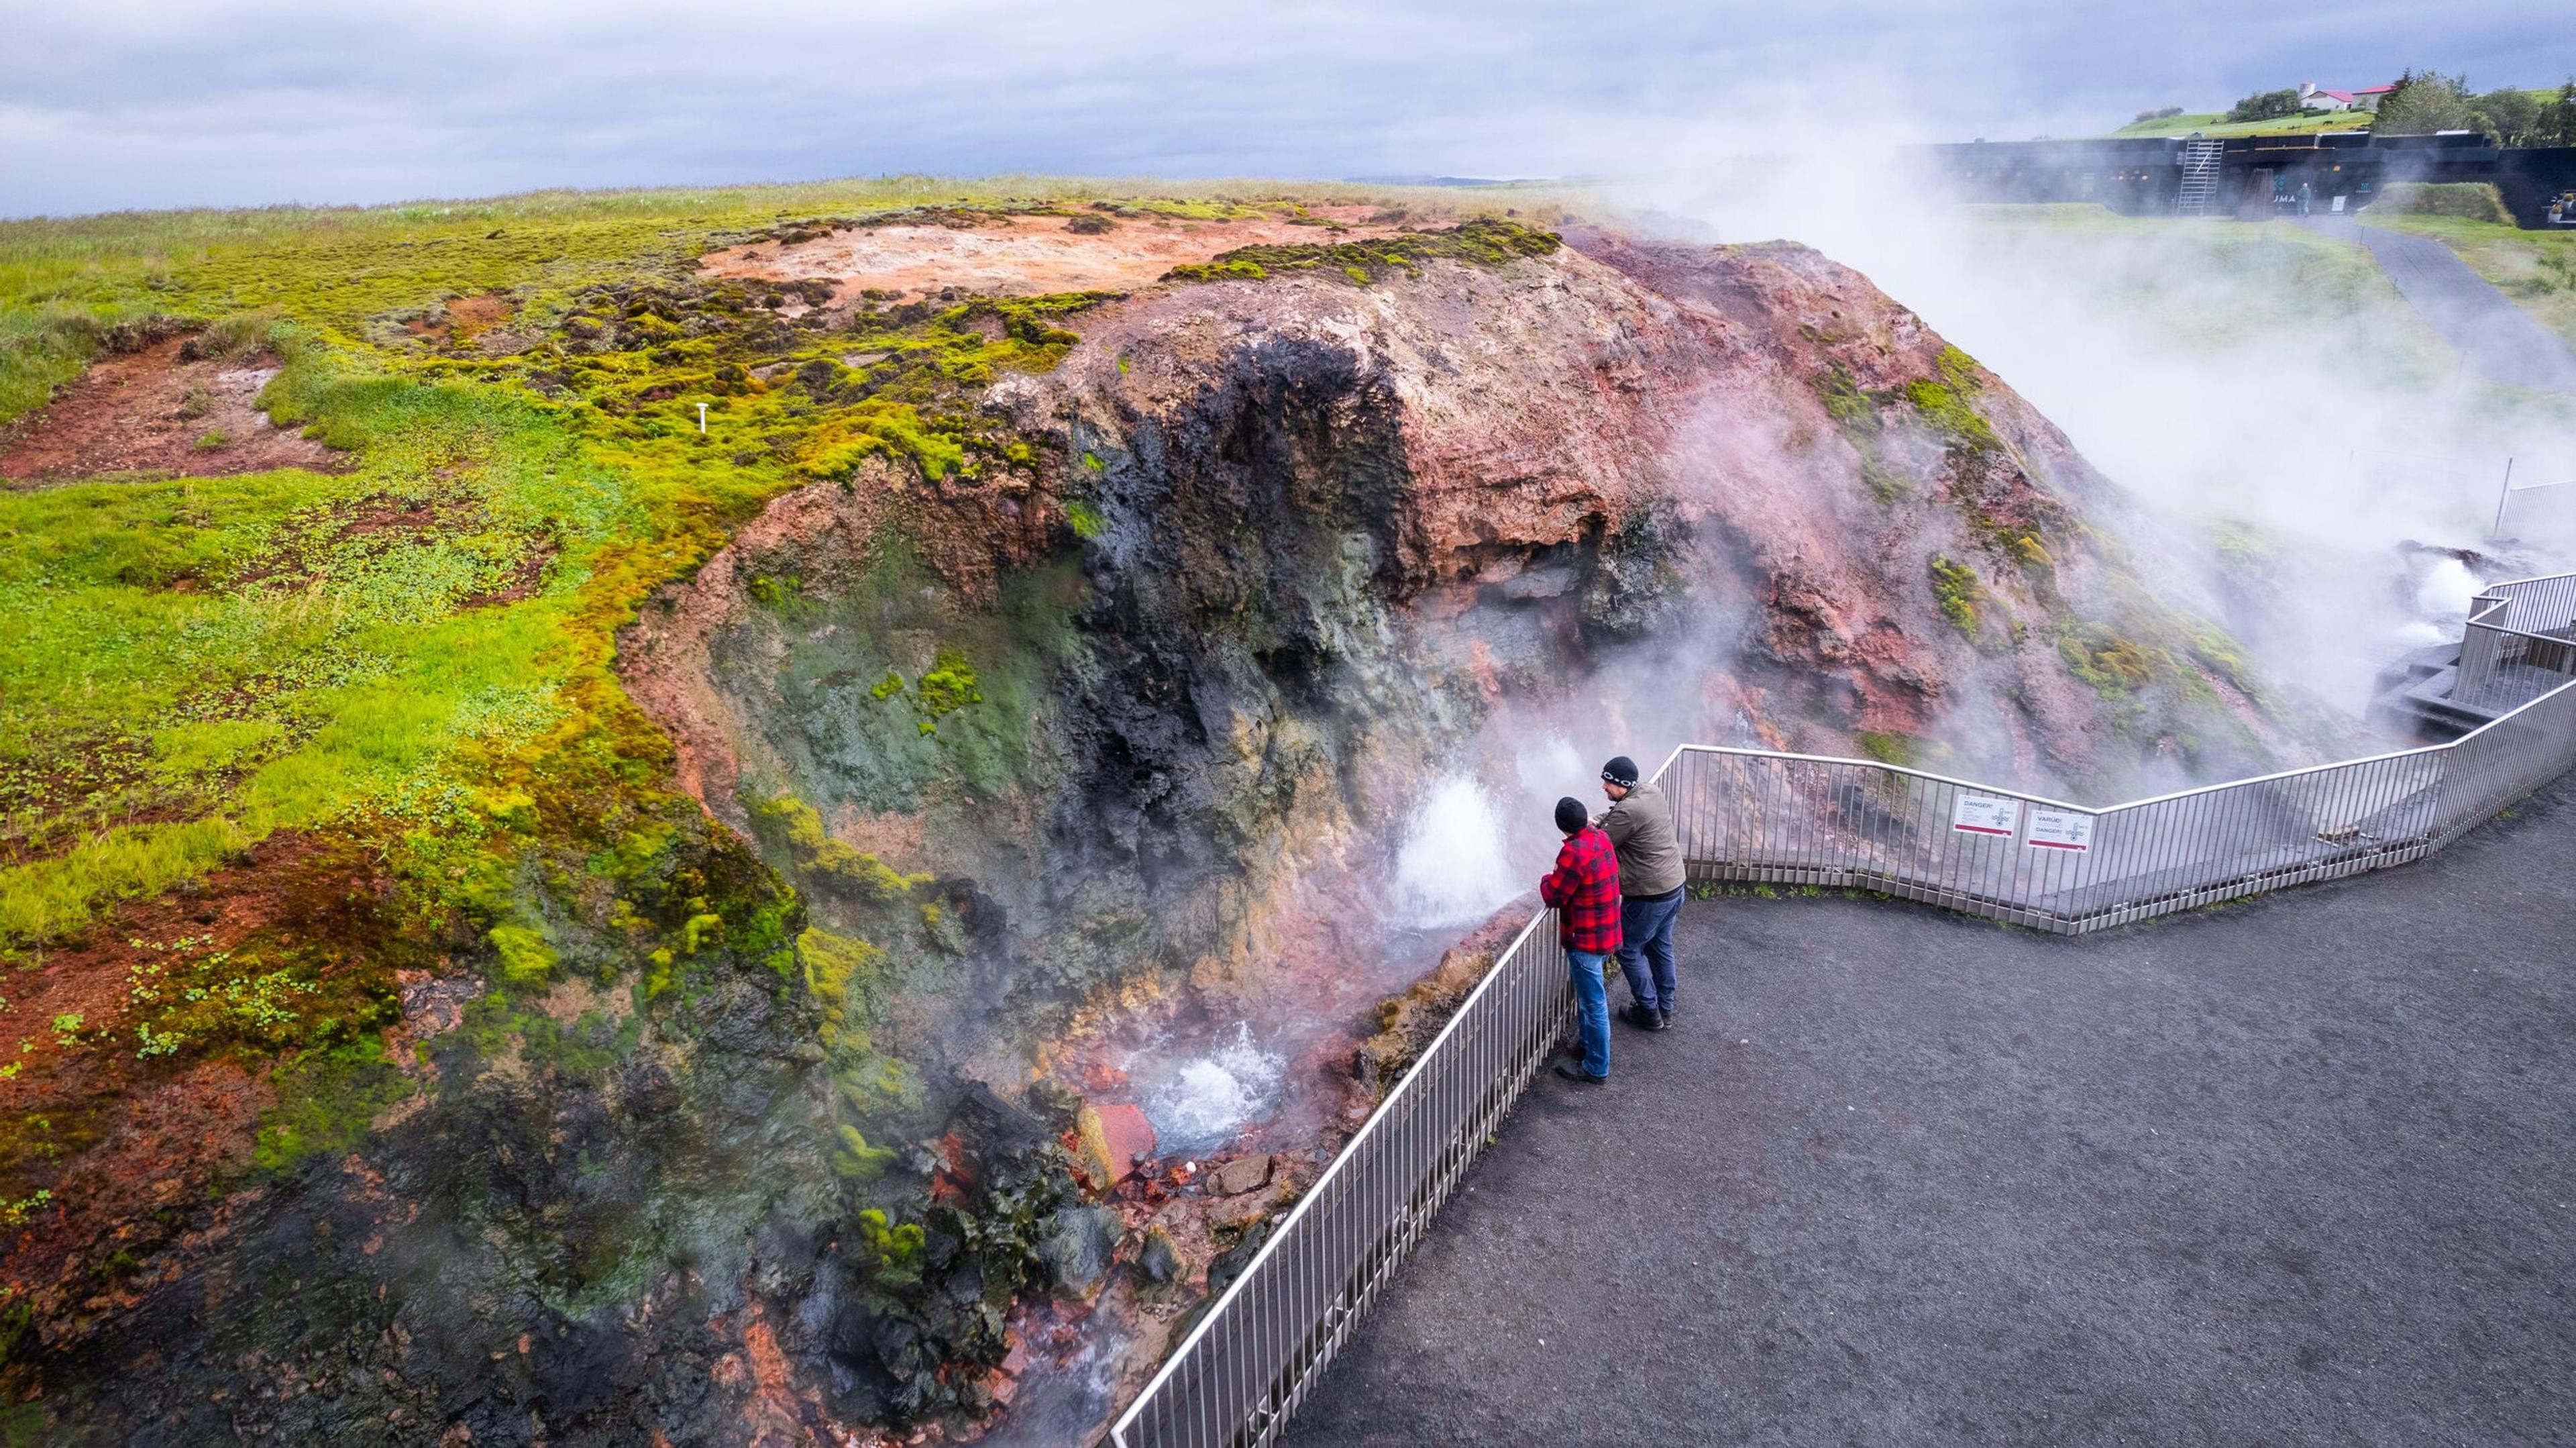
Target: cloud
(117,103)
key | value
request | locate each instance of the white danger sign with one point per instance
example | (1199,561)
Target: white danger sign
(1976,814)
(2059,829)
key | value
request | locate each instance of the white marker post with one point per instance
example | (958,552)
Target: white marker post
(702,419)
(2059,829)
(1977,814)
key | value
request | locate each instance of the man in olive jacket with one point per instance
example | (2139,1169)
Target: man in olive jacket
(1639,823)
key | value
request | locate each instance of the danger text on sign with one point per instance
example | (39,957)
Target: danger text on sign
(1978,814)
(2060,829)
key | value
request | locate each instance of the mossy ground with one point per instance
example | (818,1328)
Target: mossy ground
(1482,241)
(410,661)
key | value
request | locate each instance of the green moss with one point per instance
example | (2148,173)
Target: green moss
(1948,404)
(326,1103)
(789,824)
(1227,268)
(841,973)
(1856,414)
(2108,663)
(949,686)
(525,957)
(1852,409)
(1086,521)
(1958,591)
(855,1159)
(1902,750)
(891,1253)
(1483,242)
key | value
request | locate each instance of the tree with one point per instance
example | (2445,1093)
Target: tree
(2557,124)
(2422,103)
(2511,116)
(2264,105)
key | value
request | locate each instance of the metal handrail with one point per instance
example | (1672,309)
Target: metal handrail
(1747,814)
(1208,1320)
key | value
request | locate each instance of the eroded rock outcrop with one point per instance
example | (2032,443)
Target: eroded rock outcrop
(1278,533)
(1138,710)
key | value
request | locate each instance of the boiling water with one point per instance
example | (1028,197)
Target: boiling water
(2447,590)
(1454,866)
(1200,1103)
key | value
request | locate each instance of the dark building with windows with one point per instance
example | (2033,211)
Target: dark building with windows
(2257,176)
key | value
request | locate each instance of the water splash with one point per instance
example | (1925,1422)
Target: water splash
(1201,1103)
(2447,589)
(1454,866)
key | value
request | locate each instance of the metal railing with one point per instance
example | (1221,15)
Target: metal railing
(1754,815)
(2520,643)
(1245,1368)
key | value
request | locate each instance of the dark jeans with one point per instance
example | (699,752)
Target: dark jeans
(1646,948)
(1591,1009)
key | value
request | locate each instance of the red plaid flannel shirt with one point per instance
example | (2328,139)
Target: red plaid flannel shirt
(1584,888)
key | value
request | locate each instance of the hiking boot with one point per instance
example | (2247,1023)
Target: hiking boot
(1663,1020)
(1642,1018)
(1577,1073)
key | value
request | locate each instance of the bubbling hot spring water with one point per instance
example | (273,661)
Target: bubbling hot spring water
(1453,867)
(1200,1103)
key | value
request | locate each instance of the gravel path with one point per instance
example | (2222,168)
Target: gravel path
(2294,1171)
(2498,340)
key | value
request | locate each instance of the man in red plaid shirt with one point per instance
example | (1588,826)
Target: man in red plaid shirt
(1584,888)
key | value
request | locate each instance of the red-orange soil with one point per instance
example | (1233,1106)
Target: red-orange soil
(1025,255)
(470,324)
(156,411)
(140,1141)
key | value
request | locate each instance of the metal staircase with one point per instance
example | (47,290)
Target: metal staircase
(2200,157)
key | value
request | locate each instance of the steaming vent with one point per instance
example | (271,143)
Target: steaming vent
(1200,1103)
(1454,867)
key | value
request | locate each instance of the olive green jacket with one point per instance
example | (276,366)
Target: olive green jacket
(1640,828)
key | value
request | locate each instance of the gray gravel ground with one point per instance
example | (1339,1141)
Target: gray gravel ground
(2294,1171)
(2498,340)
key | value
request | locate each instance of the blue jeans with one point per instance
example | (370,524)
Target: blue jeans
(1646,930)
(1591,1008)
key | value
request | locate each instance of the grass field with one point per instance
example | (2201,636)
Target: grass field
(2208,123)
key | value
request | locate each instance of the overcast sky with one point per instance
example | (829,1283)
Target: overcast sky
(108,104)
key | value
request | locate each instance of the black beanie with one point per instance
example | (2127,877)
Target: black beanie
(1571,815)
(1621,771)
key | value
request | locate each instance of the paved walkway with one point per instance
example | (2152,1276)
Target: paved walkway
(2496,339)
(2296,1171)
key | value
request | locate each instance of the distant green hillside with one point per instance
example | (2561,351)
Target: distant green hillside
(2214,123)
(2208,123)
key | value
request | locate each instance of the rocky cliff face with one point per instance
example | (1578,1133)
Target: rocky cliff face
(1147,707)
(1281,540)
(1111,713)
